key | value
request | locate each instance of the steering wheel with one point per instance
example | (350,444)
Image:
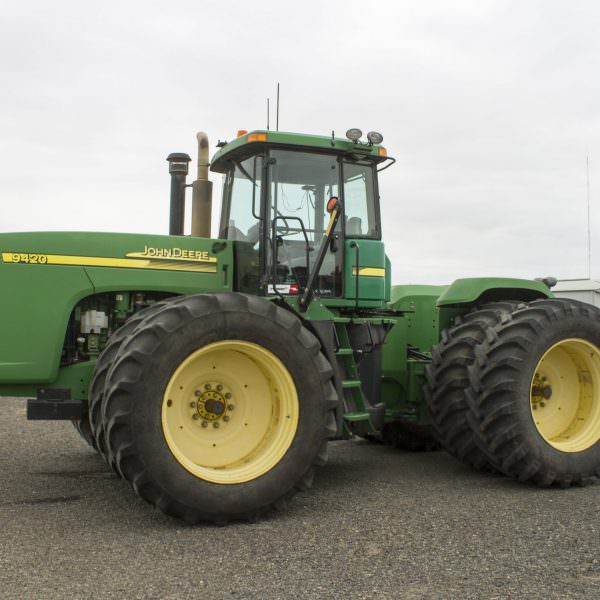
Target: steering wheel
(287,225)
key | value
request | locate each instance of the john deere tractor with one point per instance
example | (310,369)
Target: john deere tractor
(210,373)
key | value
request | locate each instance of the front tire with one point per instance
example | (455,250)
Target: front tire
(83,427)
(219,407)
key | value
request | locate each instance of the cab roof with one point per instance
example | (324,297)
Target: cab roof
(253,139)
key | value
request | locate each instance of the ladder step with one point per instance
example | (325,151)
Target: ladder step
(351,383)
(356,416)
(345,352)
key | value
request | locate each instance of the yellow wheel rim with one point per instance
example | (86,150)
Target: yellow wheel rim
(565,395)
(230,412)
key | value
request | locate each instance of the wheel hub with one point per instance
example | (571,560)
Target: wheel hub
(211,404)
(541,392)
(214,407)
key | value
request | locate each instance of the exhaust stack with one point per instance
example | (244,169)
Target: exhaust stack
(202,192)
(178,168)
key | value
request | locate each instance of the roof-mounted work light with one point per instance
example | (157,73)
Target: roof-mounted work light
(354,134)
(374,137)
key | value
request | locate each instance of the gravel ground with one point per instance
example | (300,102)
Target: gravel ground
(379,523)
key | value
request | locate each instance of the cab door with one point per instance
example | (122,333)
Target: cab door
(364,252)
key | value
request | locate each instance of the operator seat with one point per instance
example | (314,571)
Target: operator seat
(354,227)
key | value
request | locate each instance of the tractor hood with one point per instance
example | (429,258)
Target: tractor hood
(46,274)
(118,250)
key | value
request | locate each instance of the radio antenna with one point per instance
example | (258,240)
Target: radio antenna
(277,119)
(589,227)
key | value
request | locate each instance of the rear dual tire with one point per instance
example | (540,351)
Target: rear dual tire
(534,398)
(522,396)
(448,381)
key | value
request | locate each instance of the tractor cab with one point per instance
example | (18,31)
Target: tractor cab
(303,215)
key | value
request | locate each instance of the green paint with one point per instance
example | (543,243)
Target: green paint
(74,377)
(427,310)
(38,299)
(418,326)
(371,256)
(291,141)
(466,291)
(35,306)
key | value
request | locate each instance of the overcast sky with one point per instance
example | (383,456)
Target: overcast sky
(490,108)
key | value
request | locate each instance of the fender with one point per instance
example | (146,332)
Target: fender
(474,290)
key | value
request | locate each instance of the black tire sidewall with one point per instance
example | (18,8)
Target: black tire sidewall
(101,370)
(584,463)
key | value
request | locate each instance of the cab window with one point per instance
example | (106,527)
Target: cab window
(359,201)
(242,194)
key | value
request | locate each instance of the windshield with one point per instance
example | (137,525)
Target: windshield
(301,184)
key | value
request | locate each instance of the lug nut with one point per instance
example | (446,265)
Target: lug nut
(534,407)
(542,404)
(207,386)
(228,395)
(226,418)
(204,424)
(230,407)
(216,425)
(219,388)
(192,404)
(195,416)
(197,393)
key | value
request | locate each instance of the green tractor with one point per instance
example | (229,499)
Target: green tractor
(210,373)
